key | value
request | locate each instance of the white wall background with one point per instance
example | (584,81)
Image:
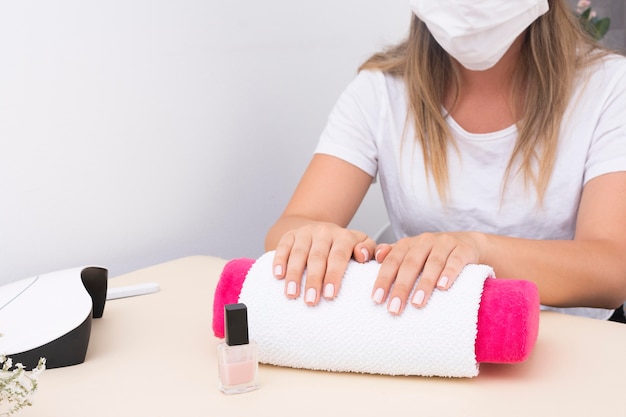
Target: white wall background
(134,132)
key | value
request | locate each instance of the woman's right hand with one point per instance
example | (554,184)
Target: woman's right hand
(311,233)
(322,249)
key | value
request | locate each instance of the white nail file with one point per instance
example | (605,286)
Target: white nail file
(132,290)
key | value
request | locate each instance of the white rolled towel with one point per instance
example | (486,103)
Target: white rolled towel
(353,334)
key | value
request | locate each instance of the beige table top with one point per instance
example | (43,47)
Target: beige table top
(155,355)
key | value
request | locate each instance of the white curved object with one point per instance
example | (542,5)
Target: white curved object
(50,315)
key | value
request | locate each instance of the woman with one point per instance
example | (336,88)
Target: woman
(497,132)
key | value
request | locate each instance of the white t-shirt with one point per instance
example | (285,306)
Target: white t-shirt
(366,128)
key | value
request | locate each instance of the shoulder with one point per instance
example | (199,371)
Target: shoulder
(598,122)
(377,85)
(600,85)
(608,70)
(614,62)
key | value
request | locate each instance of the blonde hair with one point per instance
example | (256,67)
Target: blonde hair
(553,52)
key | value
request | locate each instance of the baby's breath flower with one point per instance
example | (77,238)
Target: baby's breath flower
(17,385)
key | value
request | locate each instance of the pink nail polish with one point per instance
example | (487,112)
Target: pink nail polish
(366,254)
(443,282)
(329,291)
(238,367)
(311,295)
(291,288)
(418,297)
(378,295)
(395,305)
(278,271)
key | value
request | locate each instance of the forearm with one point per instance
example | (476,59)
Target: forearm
(588,273)
(330,191)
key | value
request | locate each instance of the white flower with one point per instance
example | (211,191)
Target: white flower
(17,385)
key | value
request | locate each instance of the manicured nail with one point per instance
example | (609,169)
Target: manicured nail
(291,288)
(311,294)
(366,254)
(418,297)
(278,271)
(395,305)
(443,282)
(378,296)
(376,255)
(329,291)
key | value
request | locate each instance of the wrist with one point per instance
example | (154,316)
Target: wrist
(482,244)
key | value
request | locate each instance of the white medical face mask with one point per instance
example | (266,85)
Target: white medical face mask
(477,33)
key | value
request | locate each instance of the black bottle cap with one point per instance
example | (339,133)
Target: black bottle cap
(236,324)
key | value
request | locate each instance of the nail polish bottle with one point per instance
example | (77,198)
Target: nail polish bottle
(238,366)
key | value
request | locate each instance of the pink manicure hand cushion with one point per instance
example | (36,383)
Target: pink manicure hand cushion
(479,319)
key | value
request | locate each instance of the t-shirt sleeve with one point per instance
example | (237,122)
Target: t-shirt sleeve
(350,133)
(607,152)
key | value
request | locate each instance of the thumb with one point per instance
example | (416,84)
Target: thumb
(364,249)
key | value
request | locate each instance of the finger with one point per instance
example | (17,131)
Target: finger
(281,255)
(339,256)
(316,269)
(296,265)
(451,271)
(364,250)
(388,272)
(406,278)
(432,274)
(382,251)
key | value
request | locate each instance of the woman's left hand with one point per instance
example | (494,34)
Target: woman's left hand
(438,257)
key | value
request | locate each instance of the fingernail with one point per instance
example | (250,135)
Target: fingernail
(278,271)
(366,254)
(418,297)
(376,255)
(291,288)
(311,294)
(329,291)
(378,296)
(394,307)
(443,282)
